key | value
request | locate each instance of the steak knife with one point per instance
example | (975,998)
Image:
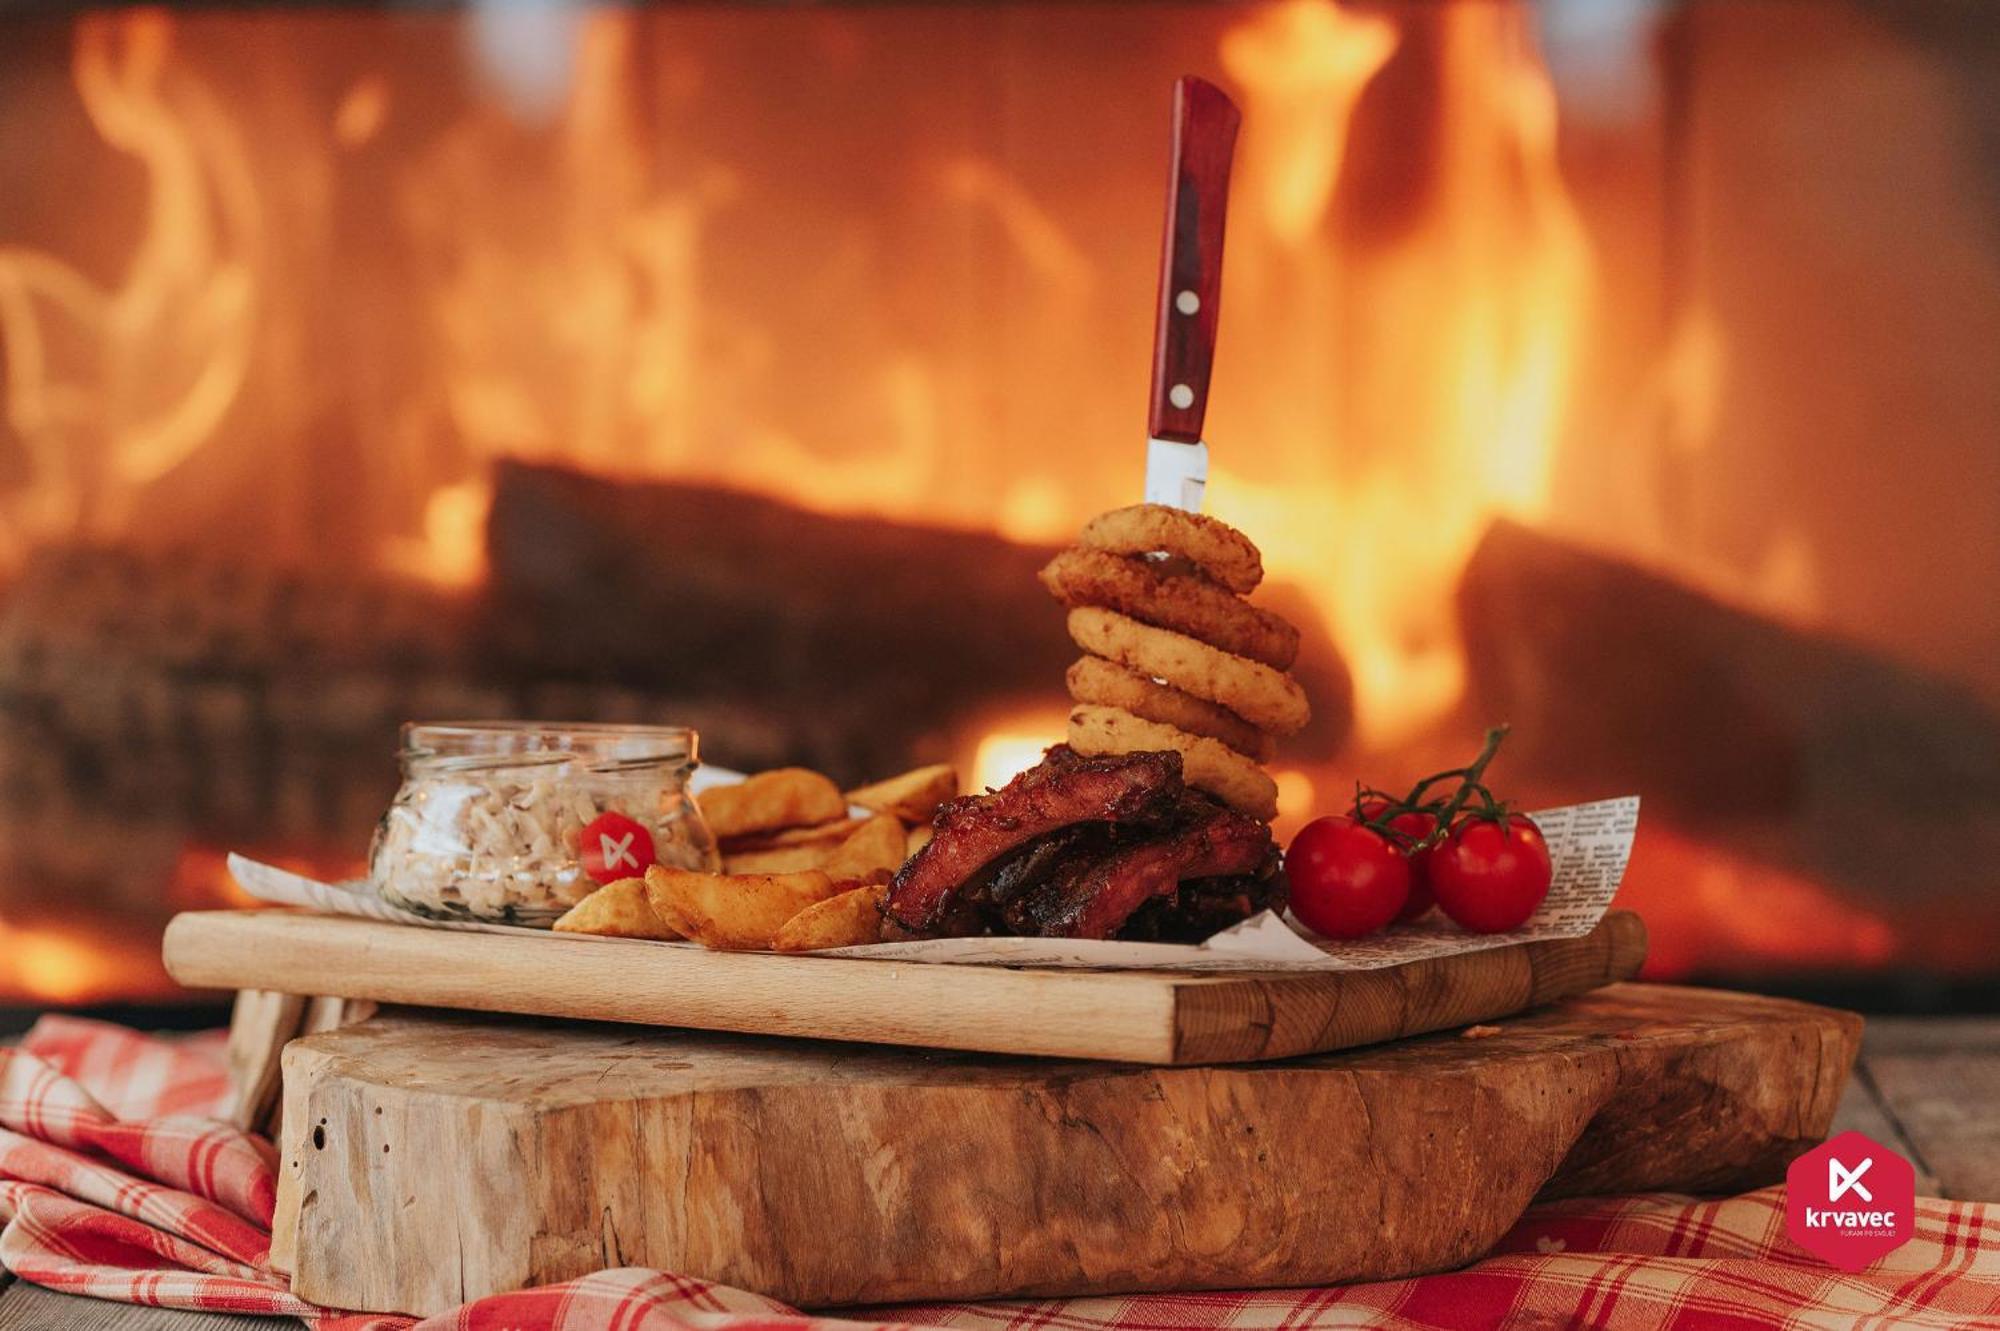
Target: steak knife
(1190,297)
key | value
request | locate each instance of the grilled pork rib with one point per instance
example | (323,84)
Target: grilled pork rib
(1094,897)
(1002,888)
(1089,848)
(1065,788)
(1204,907)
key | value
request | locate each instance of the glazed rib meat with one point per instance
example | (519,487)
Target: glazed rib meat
(1093,897)
(1003,886)
(1064,789)
(1204,907)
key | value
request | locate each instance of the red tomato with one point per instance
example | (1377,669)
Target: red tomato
(1415,826)
(1347,880)
(613,846)
(1489,878)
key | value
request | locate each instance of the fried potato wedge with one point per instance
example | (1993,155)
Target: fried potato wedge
(918,838)
(768,801)
(793,850)
(619,909)
(732,912)
(871,855)
(913,796)
(784,859)
(819,834)
(848,920)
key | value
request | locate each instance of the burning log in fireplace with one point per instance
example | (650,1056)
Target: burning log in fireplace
(879,635)
(153,704)
(870,637)
(147,702)
(1783,745)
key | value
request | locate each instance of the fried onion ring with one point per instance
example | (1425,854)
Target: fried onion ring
(1217,548)
(1260,695)
(1206,764)
(1194,606)
(1107,684)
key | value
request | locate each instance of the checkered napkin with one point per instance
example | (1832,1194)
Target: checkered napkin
(123,1192)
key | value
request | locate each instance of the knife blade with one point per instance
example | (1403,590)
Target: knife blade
(1190,292)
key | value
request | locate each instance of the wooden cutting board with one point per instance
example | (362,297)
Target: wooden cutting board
(1130,1016)
(432,1158)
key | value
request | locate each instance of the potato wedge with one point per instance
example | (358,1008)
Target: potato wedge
(619,909)
(847,920)
(783,797)
(732,912)
(913,796)
(783,859)
(792,851)
(818,834)
(918,838)
(871,855)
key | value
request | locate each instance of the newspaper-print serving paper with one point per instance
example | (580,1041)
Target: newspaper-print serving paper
(1589,845)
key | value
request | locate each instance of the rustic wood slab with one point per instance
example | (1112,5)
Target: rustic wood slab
(260,1025)
(429,1158)
(1131,1016)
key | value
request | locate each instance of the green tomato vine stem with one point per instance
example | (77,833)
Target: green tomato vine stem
(1444,810)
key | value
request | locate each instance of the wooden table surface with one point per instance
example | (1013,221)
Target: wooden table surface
(1925,1086)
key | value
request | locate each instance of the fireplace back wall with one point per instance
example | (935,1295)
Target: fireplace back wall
(1625,372)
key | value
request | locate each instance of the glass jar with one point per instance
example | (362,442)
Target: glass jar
(515,822)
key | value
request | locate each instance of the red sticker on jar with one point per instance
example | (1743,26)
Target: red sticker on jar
(614,846)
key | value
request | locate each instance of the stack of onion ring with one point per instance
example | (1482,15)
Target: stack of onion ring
(1176,657)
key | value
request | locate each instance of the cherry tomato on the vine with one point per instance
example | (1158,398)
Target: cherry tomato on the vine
(1347,880)
(1488,876)
(1416,826)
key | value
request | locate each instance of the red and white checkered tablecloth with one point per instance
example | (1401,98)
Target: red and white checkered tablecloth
(123,1191)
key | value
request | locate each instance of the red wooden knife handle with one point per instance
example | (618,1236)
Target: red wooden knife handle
(1205,123)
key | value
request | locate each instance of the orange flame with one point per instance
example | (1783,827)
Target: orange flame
(561,277)
(1008,747)
(173,339)
(1465,342)
(68,965)
(1303,64)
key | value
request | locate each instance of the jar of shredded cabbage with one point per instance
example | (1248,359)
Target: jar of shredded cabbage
(515,822)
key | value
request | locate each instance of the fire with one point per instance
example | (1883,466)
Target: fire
(1466,337)
(1707,909)
(57,965)
(562,297)
(53,966)
(1303,65)
(172,340)
(452,550)
(1003,749)
(1690,378)
(1298,797)
(361,113)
